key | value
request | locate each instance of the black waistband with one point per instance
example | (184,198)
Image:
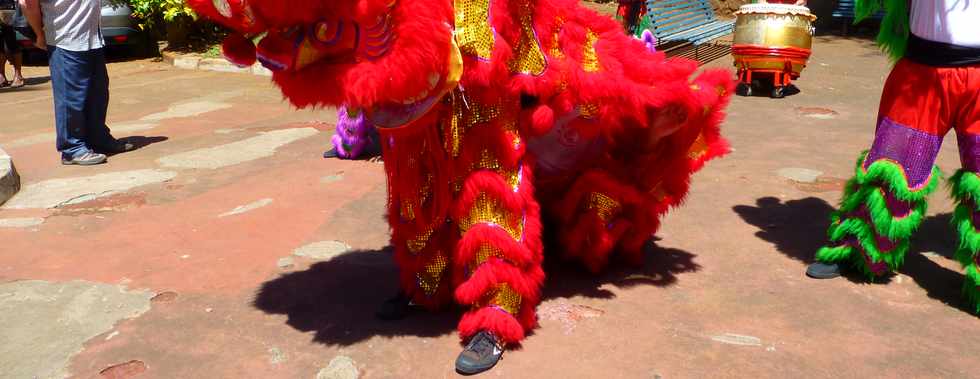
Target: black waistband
(941,54)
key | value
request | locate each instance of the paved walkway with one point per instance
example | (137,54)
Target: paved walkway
(226,247)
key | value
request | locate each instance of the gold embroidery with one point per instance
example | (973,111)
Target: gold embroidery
(528,57)
(590,59)
(473,32)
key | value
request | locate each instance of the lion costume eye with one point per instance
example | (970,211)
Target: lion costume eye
(223,8)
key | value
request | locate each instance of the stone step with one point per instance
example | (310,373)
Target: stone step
(9,179)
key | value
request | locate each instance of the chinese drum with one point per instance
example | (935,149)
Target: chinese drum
(771,40)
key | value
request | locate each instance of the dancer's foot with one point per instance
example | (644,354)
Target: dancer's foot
(395,308)
(88,159)
(332,153)
(480,355)
(820,270)
(18,82)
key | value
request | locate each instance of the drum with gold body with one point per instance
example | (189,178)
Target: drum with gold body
(771,39)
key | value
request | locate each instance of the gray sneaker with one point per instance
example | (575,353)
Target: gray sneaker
(87,159)
(480,355)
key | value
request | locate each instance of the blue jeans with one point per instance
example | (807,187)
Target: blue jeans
(81,100)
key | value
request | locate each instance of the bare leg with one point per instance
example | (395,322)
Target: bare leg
(18,63)
(3,70)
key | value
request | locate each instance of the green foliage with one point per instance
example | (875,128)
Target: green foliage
(152,12)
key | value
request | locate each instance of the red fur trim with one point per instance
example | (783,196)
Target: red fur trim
(513,251)
(542,119)
(491,138)
(493,185)
(502,324)
(493,273)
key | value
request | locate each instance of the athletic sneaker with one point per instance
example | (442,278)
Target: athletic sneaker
(480,355)
(88,159)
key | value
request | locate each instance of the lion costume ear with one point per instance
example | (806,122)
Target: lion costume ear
(235,14)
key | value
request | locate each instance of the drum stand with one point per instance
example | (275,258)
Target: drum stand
(781,79)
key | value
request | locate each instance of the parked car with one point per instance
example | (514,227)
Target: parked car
(118,29)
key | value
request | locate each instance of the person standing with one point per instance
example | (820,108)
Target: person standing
(933,89)
(70,31)
(9,49)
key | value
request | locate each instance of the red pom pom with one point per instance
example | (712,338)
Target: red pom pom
(542,120)
(239,50)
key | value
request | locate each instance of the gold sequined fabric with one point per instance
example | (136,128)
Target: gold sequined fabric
(483,254)
(452,125)
(590,58)
(605,206)
(505,298)
(431,276)
(489,162)
(489,211)
(415,245)
(528,58)
(473,32)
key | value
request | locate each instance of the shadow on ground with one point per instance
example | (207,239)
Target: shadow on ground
(337,299)
(140,142)
(797,228)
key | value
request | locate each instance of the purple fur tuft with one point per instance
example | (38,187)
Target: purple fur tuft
(353,134)
(649,40)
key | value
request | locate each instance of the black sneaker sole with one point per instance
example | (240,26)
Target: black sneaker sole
(80,163)
(473,370)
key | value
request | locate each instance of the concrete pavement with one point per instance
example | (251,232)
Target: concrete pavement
(226,247)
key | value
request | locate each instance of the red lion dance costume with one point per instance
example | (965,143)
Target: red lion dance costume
(475,100)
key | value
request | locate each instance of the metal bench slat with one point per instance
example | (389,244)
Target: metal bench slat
(688,5)
(715,33)
(710,29)
(685,21)
(663,12)
(677,28)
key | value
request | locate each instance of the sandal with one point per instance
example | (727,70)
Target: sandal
(16,84)
(5,84)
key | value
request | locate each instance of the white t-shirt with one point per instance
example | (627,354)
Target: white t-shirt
(951,21)
(73,25)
